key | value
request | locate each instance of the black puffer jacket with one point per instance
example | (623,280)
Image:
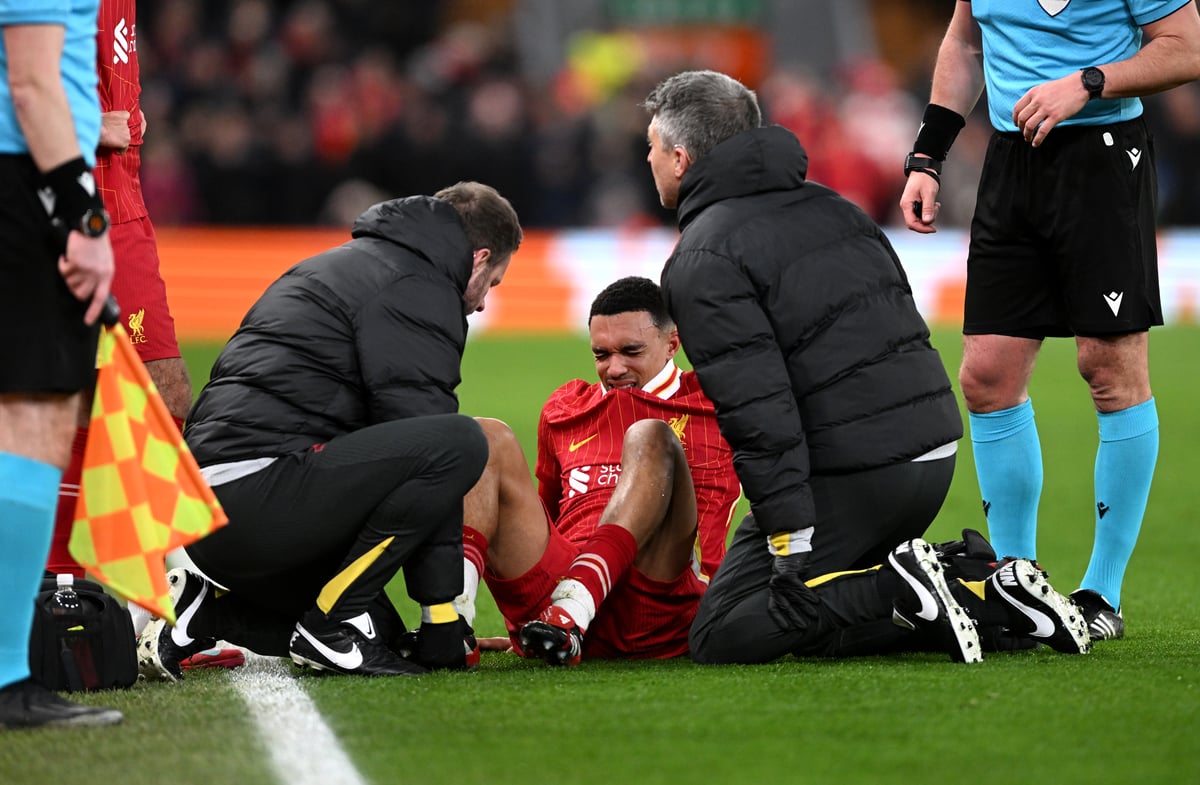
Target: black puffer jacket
(367,332)
(800,323)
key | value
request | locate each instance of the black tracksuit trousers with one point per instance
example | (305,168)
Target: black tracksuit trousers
(362,507)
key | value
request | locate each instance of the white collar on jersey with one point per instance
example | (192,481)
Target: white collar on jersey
(664,385)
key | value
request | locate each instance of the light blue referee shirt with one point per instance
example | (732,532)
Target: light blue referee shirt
(1028,42)
(78,17)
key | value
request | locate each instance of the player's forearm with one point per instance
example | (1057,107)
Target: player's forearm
(1169,58)
(39,100)
(958,73)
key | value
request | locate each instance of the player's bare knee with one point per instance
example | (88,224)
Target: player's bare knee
(652,440)
(503,445)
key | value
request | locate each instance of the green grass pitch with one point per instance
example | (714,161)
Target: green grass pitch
(1129,712)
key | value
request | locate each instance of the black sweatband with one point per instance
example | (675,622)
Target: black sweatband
(939,128)
(68,192)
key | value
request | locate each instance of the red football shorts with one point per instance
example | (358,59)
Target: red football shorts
(640,619)
(140,291)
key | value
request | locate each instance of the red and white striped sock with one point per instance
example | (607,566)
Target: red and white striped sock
(475,547)
(603,561)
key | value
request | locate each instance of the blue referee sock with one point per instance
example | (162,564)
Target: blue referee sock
(28,496)
(1008,463)
(1124,469)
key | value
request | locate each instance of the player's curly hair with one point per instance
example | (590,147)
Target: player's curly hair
(632,294)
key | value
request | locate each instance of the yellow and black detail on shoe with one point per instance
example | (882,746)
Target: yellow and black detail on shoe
(336,587)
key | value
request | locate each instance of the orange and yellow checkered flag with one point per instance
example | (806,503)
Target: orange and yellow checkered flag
(141,494)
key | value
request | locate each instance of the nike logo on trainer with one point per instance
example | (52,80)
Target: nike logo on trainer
(1043,626)
(576,445)
(362,622)
(346,660)
(179,631)
(1135,156)
(929,607)
(1114,301)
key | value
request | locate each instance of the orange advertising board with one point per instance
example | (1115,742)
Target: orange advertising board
(214,275)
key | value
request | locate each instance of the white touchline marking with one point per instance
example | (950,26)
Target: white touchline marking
(304,751)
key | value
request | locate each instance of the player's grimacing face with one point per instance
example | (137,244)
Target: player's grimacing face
(629,350)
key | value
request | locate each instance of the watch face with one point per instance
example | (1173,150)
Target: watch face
(1093,80)
(94,223)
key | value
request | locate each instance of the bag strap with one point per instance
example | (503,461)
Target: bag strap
(70,666)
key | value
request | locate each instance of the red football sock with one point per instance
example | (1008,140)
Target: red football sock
(475,547)
(603,560)
(64,517)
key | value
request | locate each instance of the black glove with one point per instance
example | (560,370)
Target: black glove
(442,646)
(970,558)
(791,604)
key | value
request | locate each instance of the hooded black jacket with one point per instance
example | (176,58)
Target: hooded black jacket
(800,323)
(364,333)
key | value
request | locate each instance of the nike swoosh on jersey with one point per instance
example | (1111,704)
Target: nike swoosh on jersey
(346,660)
(1044,626)
(929,607)
(576,445)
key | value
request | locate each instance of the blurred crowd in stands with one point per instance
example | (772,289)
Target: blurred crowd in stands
(306,111)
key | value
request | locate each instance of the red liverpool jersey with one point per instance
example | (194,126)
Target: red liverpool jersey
(580,435)
(120,89)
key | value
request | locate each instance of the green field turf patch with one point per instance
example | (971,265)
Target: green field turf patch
(1129,712)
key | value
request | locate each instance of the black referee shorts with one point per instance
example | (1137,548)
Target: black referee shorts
(1063,239)
(44,344)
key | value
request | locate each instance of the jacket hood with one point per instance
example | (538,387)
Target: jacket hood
(428,227)
(755,161)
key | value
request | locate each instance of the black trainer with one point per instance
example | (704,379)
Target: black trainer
(927,603)
(161,647)
(1036,609)
(27,704)
(353,647)
(554,637)
(1104,623)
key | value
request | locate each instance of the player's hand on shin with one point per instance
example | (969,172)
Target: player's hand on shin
(87,268)
(1047,105)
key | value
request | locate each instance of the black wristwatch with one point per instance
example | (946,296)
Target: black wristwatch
(920,163)
(1093,81)
(94,222)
